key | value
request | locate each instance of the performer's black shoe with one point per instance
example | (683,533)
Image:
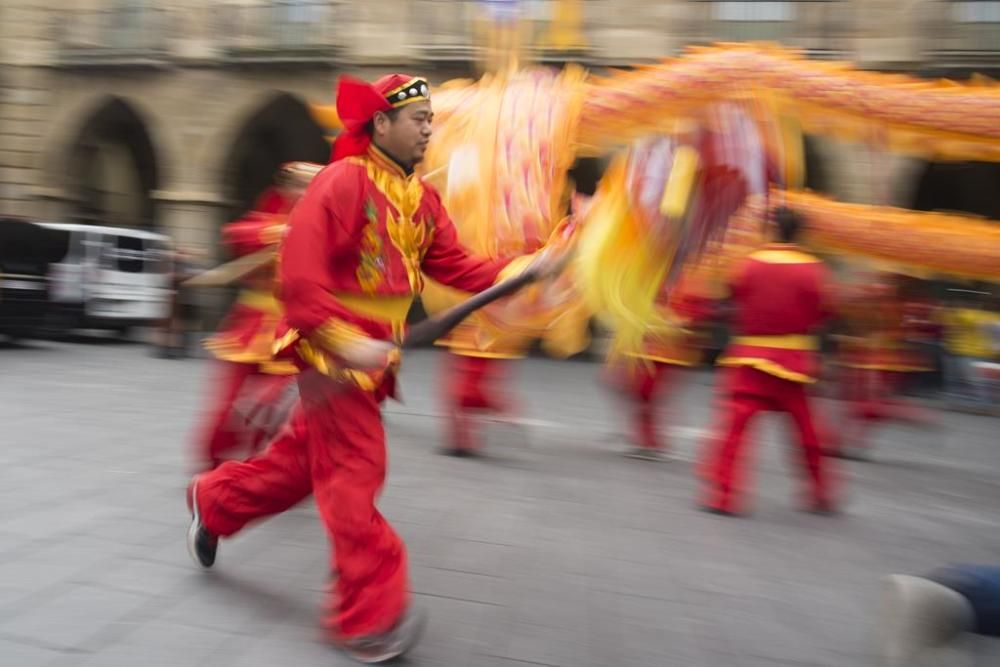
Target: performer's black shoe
(848,453)
(460,452)
(718,511)
(202,545)
(822,508)
(390,645)
(645,454)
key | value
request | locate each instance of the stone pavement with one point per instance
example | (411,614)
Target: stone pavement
(553,551)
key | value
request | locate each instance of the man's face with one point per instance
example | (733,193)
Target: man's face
(406,137)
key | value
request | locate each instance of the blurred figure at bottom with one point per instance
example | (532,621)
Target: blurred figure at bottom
(923,618)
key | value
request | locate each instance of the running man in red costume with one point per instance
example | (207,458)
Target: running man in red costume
(780,296)
(350,265)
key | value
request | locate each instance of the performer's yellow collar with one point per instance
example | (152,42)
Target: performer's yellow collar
(386,161)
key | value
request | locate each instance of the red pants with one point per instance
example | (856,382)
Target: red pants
(224,431)
(648,382)
(334,448)
(642,384)
(870,396)
(873,396)
(472,384)
(747,392)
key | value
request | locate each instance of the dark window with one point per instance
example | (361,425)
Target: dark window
(129,253)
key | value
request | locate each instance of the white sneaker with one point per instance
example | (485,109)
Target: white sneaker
(390,645)
(918,618)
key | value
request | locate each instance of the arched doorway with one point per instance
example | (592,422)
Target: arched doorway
(113,167)
(282,130)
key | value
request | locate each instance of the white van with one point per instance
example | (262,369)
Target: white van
(111,277)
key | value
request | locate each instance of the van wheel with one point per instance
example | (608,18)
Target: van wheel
(125,332)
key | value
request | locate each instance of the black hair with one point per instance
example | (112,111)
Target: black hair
(788,223)
(391,113)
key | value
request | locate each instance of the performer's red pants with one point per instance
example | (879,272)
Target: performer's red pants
(472,384)
(334,448)
(223,431)
(748,391)
(870,396)
(873,395)
(647,383)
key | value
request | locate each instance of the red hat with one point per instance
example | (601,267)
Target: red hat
(358,101)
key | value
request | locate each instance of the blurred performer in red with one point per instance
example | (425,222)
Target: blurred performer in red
(780,298)
(476,376)
(247,376)
(875,358)
(351,264)
(645,377)
(478,368)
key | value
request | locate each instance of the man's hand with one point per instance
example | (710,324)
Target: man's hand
(368,354)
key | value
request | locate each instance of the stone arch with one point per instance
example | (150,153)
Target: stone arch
(281,129)
(108,164)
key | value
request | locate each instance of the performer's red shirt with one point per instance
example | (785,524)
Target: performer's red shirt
(684,347)
(781,299)
(248,330)
(352,260)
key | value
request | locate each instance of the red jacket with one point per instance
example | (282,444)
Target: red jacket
(780,294)
(247,333)
(353,258)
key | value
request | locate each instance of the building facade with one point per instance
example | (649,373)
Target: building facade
(174,114)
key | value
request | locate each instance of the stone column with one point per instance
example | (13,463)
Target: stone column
(193,219)
(23,99)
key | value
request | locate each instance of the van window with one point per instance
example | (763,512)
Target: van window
(129,253)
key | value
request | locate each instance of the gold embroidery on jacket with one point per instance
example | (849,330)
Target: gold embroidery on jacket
(371,263)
